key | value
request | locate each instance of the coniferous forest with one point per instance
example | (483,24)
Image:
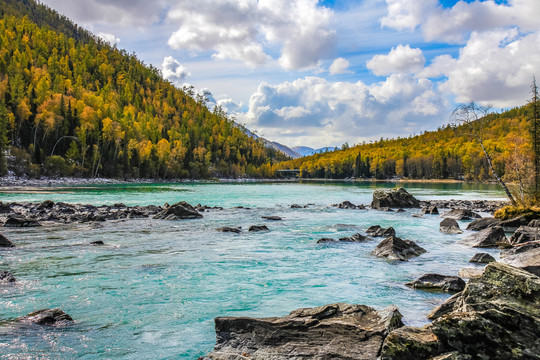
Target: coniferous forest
(72,105)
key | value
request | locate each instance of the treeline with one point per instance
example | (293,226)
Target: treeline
(448,153)
(73,105)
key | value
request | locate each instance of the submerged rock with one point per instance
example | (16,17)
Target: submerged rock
(48,317)
(461,214)
(394,248)
(229,229)
(6,277)
(490,237)
(20,221)
(97,242)
(438,282)
(449,226)
(482,258)
(180,210)
(272,218)
(335,331)
(325,240)
(255,228)
(4,242)
(483,223)
(377,231)
(398,198)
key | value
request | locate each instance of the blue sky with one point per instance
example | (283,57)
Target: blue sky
(321,73)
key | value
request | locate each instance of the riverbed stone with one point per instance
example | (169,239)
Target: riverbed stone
(449,226)
(256,228)
(272,218)
(378,231)
(461,214)
(393,198)
(347,205)
(229,229)
(394,248)
(180,210)
(527,259)
(335,331)
(525,234)
(431,210)
(355,238)
(483,223)
(6,277)
(488,238)
(438,282)
(5,243)
(482,258)
(47,317)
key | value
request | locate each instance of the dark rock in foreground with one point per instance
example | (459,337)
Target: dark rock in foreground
(394,248)
(4,242)
(461,214)
(20,221)
(438,282)
(6,277)
(495,317)
(229,229)
(490,237)
(255,228)
(335,331)
(482,258)
(483,223)
(48,317)
(377,231)
(398,198)
(180,210)
(525,234)
(449,226)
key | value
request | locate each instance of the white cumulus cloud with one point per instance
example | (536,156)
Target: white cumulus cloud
(110,38)
(401,59)
(339,66)
(174,71)
(247,30)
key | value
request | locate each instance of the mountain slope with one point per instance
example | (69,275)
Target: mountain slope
(77,106)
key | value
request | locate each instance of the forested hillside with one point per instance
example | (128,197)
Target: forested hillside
(448,153)
(71,104)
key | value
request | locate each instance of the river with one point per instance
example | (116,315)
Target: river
(153,290)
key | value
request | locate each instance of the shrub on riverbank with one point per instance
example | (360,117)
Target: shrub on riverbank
(510,212)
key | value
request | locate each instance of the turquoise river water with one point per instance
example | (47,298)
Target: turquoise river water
(153,290)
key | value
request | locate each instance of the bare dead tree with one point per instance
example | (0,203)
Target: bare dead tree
(474,118)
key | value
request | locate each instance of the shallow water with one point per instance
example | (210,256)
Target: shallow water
(154,289)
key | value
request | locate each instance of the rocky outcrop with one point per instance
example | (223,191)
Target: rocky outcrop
(483,223)
(377,231)
(461,214)
(449,226)
(394,248)
(525,234)
(5,243)
(256,228)
(6,277)
(495,317)
(179,211)
(397,198)
(335,331)
(482,258)
(48,317)
(438,282)
(20,221)
(487,238)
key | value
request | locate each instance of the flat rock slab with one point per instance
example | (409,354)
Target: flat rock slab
(335,331)
(393,198)
(48,317)
(526,260)
(483,223)
(5,243)
(461,214)
(394,248)
(438,282)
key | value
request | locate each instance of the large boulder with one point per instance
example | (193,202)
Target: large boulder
(525,234)
(487,238)
(483,223)
(20,221)
(4,242)
(398,198)
(377,231)
(180,210)
(6,277)
(527,259)
(438,282)
(495,317)
(48,317)
(394,248)
(449,226)
(461,214)
(335,331)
